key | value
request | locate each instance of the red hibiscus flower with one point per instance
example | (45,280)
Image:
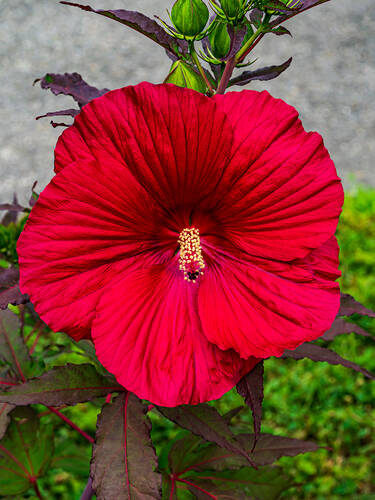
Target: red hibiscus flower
(187,235)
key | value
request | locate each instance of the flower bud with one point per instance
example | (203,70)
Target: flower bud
(184,75)
(219,40)
(189,16)
(231,8)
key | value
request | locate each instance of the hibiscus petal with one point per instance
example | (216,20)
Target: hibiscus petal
(89,224)
(262,307)
(174,141)
(285,197)
(161,355)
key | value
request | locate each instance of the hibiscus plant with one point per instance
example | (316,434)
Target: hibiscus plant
(187,236)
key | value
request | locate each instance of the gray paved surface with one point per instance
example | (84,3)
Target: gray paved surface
(331,81)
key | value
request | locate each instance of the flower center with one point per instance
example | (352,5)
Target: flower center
(191,260)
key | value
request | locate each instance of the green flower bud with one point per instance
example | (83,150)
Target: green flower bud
(184,75)
(232,8)
(189,16)
(219,40)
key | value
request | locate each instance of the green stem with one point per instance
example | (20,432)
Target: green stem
(243,50)
(201,70)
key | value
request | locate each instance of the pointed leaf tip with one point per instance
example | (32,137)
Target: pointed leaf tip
(317,353)
(250,388)
(124,461)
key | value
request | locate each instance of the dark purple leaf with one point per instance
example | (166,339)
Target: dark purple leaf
(349,306)
(9,288)
(12,211)
(141,23)
(340,326)
(267,73)
(34,195)
(317,353)
(251,389)
(70,84)
(69,384)
(301,6)
(281,30)
(58,124)
(13,207)
(236,34)
(124,463)
(256,16)
(63,112)
(205,421)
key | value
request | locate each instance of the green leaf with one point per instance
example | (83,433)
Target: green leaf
(267,483)
(193,453)
(72,459)
(206,422)
(25,452)
(12,346)
(124,460)
(68,384)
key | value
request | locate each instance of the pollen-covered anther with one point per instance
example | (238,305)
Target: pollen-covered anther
(191,260)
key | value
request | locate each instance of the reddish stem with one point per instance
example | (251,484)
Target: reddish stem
(227,73)
(15,460)
(72,424)
(197,487)
(5,382)
(251,47)
(37,491)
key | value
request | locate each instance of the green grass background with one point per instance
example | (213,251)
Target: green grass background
(328,404)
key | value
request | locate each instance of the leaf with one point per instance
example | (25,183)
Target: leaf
(349,306)
(301,6)
(236,35)
(193,453)
(256,16)
(68,384)
(25,452)
(205,421)
(70,84)
(13,210)
(141,23)
(12,346)
(9,288)
(5,409)
(63,112)
(250,388)
(124,461)
(277,5)
(340,326)
(281,30)
(270,447)
(266,73)
(267,483)
(192,460)
(317,353)
(72,459)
